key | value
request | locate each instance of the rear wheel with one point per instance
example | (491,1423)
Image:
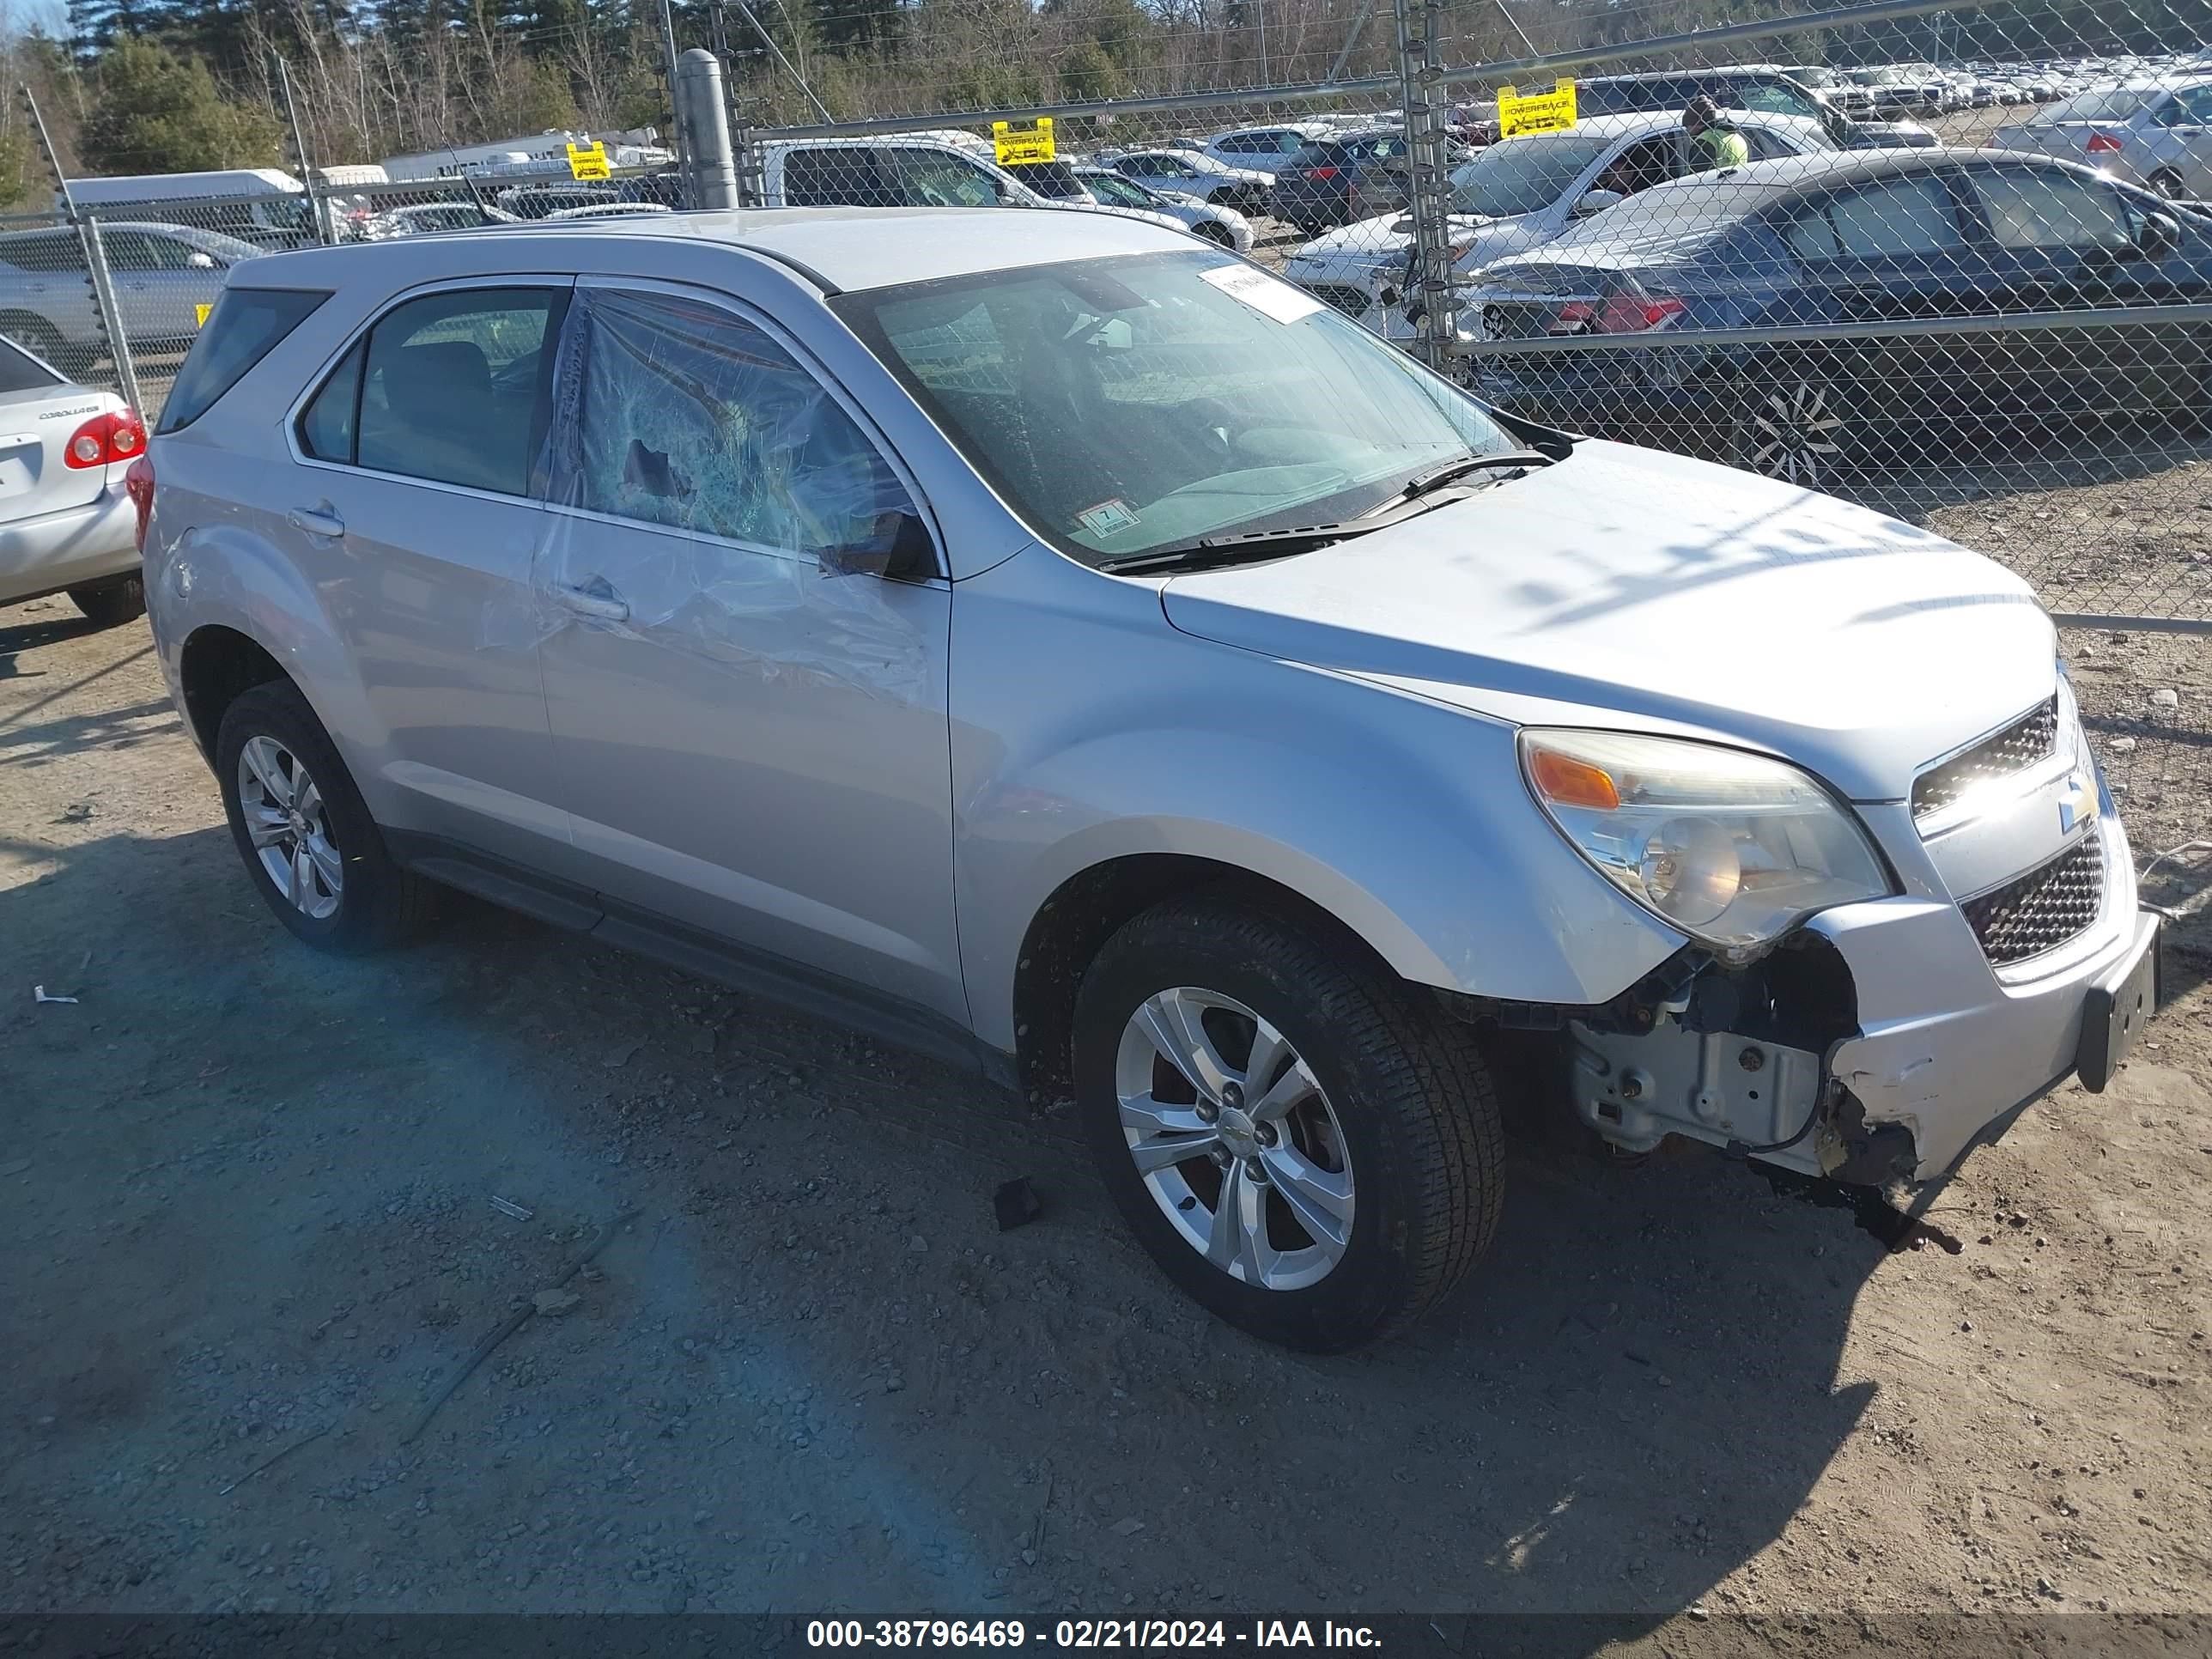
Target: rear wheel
(1301,1144)
(111,604)
(1796,429)
(310,846)
(1214,233)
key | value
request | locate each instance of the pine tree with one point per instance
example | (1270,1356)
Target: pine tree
(156,112)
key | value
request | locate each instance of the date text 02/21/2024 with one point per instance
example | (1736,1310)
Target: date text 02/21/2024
(1082,1635)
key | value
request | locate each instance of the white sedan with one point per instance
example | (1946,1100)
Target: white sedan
(1193,173)
(1221,225)
(1518,195)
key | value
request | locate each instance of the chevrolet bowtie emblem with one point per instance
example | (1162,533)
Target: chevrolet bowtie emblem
(2070,800)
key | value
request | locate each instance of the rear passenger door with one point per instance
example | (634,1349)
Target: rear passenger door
(751,744)
(1892,251)
(412,507)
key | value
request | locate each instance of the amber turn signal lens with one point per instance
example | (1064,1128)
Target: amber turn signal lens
(1565,782)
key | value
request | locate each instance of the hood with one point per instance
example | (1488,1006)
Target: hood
(1629,587)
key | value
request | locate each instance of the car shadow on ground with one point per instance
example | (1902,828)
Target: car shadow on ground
(1631,1398)
(21,632)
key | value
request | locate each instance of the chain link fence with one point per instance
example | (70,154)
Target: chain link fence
(1877,266)
(112,293)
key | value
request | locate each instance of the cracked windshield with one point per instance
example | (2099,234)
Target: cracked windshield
(1131,405)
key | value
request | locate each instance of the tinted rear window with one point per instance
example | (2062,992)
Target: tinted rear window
(18,372)
(244,328)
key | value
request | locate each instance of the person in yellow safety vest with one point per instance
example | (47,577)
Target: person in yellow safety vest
(1714,141)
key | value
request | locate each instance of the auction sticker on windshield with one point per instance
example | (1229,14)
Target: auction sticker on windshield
(1263,293)
(1107,518)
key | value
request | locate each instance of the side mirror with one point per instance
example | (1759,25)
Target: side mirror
(1595,201)
(2159,236)
(899,551)
(200,261)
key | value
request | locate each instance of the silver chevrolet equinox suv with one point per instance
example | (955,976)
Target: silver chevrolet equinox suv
(1043,641)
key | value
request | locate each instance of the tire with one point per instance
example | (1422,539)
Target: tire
(372,902)
(2170,185)
(1795,429)
(1391,1114)
(1214,233)
(111,604)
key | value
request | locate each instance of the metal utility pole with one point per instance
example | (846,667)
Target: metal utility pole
(96,275)
(1351,40)
(1513,23)
(747,158)
(820,109)
(675,107)
(710,172)
(1420,85)
(325,232)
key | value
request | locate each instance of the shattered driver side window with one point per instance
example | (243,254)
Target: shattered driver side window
(672,412)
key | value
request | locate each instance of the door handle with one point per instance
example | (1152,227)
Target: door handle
(316,521)
(604,606)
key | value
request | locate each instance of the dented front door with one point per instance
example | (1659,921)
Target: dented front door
(748,744)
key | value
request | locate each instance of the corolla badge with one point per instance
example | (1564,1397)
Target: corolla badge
(2073,797)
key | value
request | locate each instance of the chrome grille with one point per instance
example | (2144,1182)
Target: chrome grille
(2028,739)
(2042,909)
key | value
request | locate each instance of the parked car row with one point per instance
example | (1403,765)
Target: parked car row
(1899,238)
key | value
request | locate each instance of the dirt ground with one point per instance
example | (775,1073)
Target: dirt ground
(247,1197)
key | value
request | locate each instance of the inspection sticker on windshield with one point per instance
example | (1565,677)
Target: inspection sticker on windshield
(1263,293)
(1107,518)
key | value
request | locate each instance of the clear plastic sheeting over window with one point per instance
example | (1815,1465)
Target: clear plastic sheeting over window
(677,412)
(710,494)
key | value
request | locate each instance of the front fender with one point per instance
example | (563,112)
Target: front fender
(1085,729)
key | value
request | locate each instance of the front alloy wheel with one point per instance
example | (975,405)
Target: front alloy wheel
(1235,1138)
(286,821)
(1301,1141)
(1793,430)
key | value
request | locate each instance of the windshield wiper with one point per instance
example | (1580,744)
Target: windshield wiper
(1247,547)
(1421,483)
(1250,546)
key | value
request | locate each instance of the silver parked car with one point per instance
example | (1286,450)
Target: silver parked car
(2156,136)
(162,275)
(1054,643)
(66,521)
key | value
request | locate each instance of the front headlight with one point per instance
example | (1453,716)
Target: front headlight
(1732,848)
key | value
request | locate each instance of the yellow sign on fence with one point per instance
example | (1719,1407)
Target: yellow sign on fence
(200,315)
(588,160)
(1018,142)
(1540,111)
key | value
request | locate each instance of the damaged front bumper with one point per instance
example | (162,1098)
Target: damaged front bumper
(1883,1045)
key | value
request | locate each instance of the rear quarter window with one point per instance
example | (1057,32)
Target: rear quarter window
(244,327)
(21,372)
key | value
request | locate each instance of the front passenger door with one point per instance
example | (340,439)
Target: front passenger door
(751,744)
